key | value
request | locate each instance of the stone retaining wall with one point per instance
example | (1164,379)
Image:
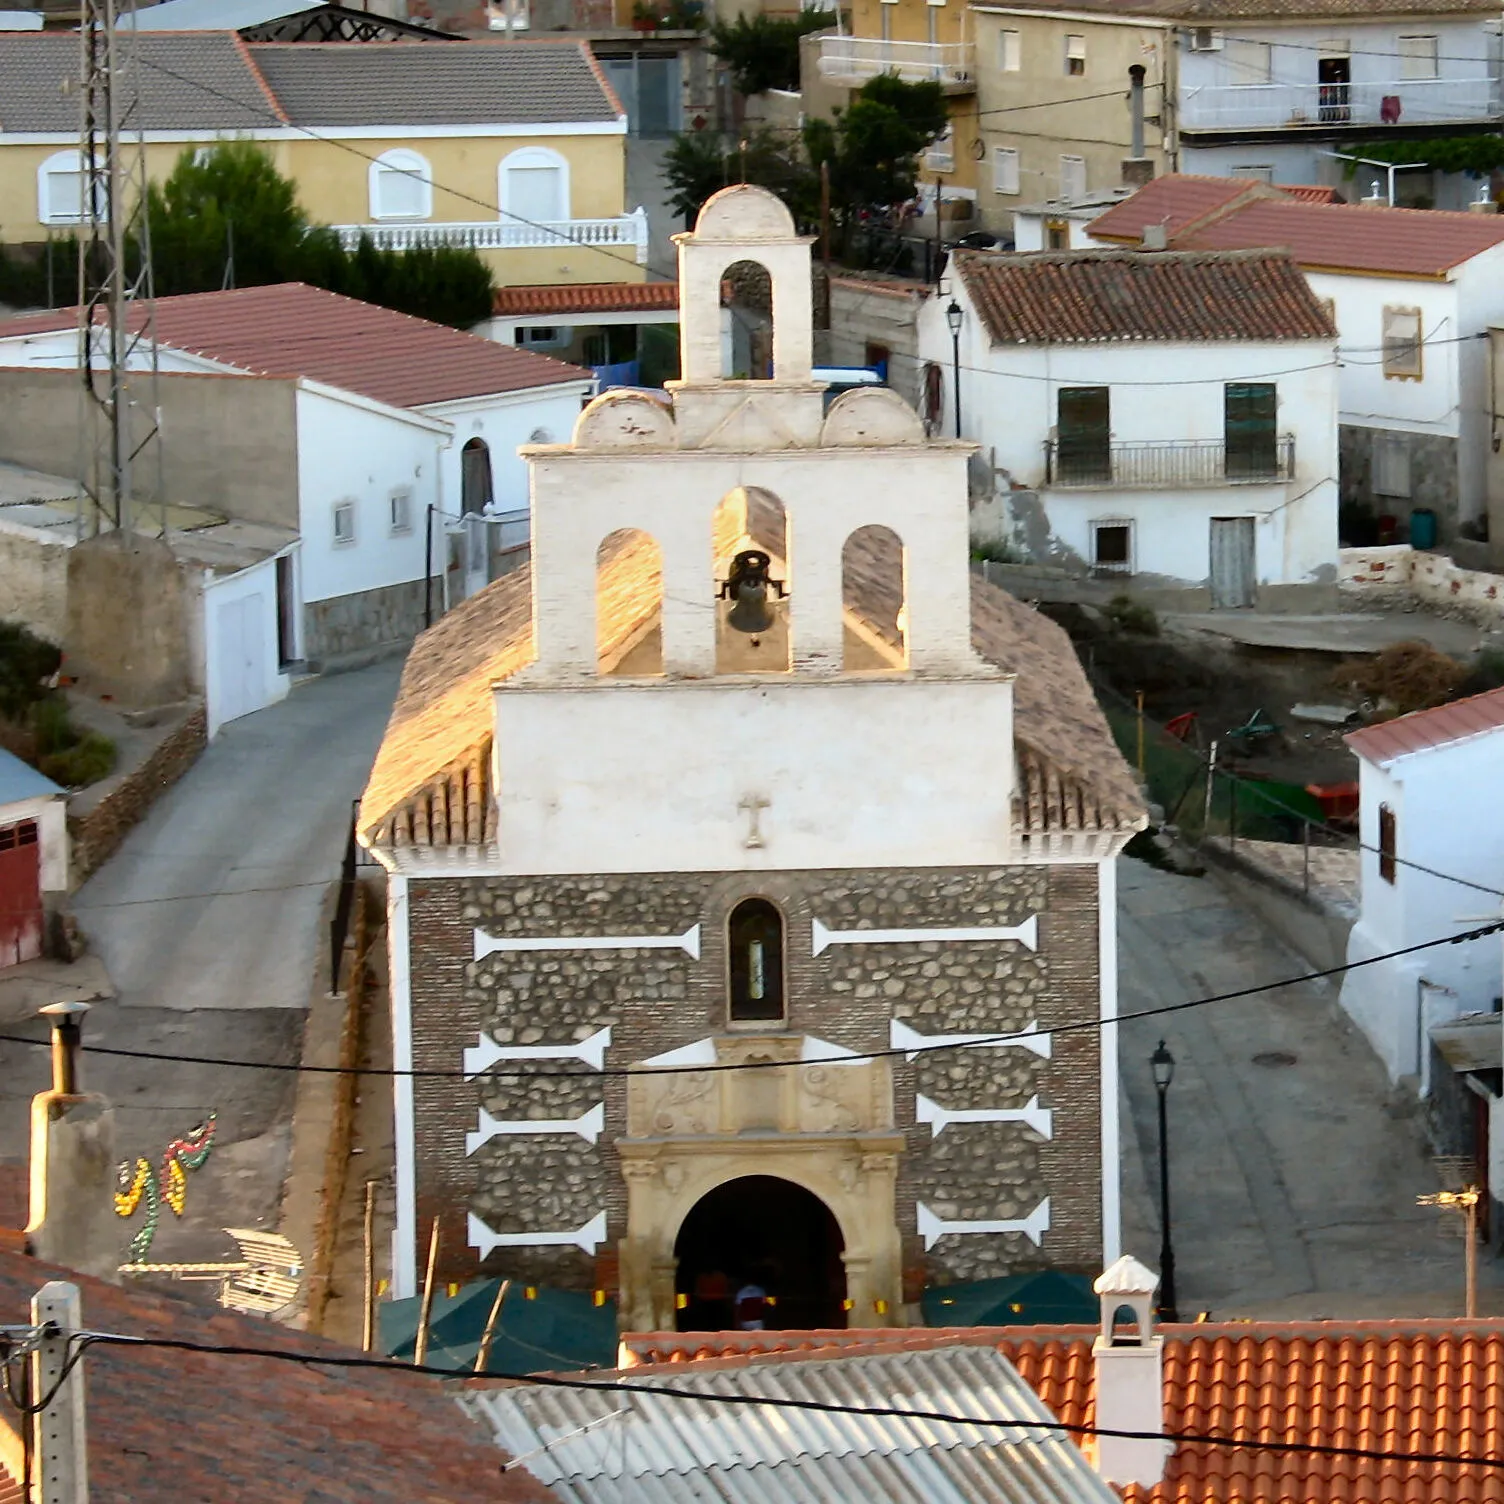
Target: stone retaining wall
(1396,571)
(349,624)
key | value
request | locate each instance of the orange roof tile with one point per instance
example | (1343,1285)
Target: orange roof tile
(585,297)
(1422,730)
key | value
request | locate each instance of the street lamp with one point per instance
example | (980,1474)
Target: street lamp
(954,317)
(1162,1063)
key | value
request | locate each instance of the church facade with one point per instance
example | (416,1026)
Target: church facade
(750,866)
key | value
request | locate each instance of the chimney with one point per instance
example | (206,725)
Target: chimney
(1155,238)
(1137,168)
(72,1161)
(1129,1363)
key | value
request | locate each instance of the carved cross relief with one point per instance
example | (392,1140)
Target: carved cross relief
(752,806)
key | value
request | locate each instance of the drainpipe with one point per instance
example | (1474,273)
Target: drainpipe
(1137,168)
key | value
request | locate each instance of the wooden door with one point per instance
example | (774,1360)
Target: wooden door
(20,893)
(1232,563)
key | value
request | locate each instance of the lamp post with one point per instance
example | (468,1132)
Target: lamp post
(1162,1063)
(953,317)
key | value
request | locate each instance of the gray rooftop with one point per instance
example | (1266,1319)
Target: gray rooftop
(601,1446)
(211,81)
(19,780)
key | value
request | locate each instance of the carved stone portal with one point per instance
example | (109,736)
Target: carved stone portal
(826,1125)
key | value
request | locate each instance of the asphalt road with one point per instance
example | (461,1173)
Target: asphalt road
(1294,1165)
(208,922)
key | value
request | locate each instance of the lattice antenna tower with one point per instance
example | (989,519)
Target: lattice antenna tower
(116,330)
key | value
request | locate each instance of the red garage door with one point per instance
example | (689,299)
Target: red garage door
(20,893)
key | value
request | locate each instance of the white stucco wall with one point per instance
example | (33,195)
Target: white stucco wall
(257,584)
(1165,392)
(859,772)
(50,811)
(1446,818)
(505,422)
(349,449)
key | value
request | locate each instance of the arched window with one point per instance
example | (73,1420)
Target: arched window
(476,493)
(754,942)
(629,604)
(534,186)
(401,186)
(60,189)
(747,322)
(874,627)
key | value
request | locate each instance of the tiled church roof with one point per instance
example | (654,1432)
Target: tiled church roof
(430,786)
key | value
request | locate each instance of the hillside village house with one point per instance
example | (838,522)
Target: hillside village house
(744,777)
(1168,420)
(1412,294)
(1042,105)
(514,149)
(351,429)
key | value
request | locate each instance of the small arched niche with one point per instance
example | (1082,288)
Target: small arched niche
(750,541)
(629,605)
(874,603)
(746,322)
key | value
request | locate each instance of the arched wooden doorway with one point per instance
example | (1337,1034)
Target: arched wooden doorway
(760,1232)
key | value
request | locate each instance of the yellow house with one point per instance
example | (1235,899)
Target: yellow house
(517,149)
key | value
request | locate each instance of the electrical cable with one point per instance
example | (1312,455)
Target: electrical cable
(779,1402)
(1000,1037)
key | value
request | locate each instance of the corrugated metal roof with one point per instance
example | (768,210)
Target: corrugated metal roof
(19,780)
(1423,730)
(615,1447)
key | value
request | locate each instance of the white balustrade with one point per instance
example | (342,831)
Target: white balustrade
(1419,101)
(856,59)
(507,234)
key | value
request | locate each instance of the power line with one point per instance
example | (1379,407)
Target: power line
(780,1402)
(1075,1026)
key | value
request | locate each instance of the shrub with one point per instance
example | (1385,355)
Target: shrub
(26,663)
(1132,617)
(1408,676)
(91,758)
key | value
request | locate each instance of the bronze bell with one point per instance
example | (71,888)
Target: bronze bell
(747,586)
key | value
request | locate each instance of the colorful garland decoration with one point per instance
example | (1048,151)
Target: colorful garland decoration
(141,1180)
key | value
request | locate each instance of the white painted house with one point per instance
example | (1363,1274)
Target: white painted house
(1412,294)
(387,445)
(1168,420)
(33,857)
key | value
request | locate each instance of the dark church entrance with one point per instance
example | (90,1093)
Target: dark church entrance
(760,1251)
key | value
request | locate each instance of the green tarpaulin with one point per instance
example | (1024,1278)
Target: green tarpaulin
(1048,1298)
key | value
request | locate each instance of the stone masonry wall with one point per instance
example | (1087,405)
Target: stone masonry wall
(656,1000)
(367,619)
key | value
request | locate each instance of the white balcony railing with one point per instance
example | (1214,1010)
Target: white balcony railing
(1408,101)
(508,234)
(853,60)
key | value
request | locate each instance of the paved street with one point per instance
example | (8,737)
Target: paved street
(1294,1175)
(208,922)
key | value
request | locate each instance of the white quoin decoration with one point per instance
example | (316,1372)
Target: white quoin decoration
(1026,934)
(1031,1114)
(589,1126)
(487,945)
(485,1242)
(933,1228)
(483,1056)
(1129,1377)
(902,1037)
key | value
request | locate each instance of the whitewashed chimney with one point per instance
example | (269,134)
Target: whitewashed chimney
(1129,1361)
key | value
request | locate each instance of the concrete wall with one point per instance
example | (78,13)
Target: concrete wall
(1397,570)
(228,443)
(34,581)
(1435,474)
(863,313)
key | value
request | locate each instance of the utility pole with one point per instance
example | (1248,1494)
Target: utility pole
(116,323)
(1466,1201)
(59,1446)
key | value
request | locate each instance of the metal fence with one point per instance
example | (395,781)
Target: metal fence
(1175,464)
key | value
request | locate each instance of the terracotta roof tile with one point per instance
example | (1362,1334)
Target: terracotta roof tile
(291,329)
(171,1427)
(1085,297)
(1424,729)
(1177,200)
(1250,10)
(585,297)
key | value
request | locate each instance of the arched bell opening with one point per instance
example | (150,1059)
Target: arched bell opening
(629,604)
(874,602)
(750,568)
(746,322)
(759,1252)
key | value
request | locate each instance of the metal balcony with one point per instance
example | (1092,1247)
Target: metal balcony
(854,60)
(629,230)
(1174,466)
(1407,101)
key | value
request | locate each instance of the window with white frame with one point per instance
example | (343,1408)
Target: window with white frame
(60,189)
(344,522)
(1248,62)
(941,154)
(535,186)
(402,510)
(1402,344)
(1009,51)
(1075,55)
(401,185)
(1112,545)
(1418,57)
(1072,177)
(1004,169)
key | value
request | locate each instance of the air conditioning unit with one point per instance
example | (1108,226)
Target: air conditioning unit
(1205,39)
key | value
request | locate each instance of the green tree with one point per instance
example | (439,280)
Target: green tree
(872,147)
(761,52)
(700,163)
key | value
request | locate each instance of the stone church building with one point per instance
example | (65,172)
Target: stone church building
(715,838)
